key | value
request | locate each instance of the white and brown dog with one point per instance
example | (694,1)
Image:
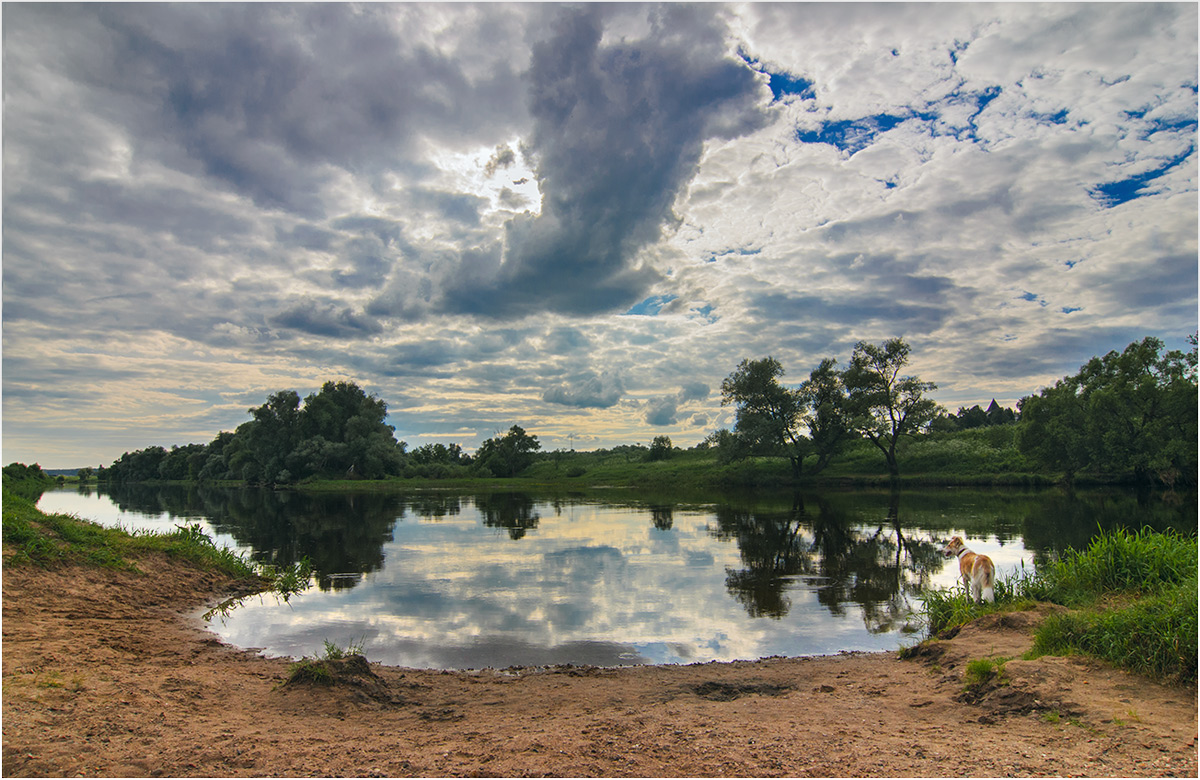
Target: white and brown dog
(977,571)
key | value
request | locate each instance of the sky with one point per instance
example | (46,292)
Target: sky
(574,218)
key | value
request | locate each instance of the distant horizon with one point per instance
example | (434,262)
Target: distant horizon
(471,451)
(575,218)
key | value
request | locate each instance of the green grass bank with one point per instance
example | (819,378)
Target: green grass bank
(1131,599)
(34,538)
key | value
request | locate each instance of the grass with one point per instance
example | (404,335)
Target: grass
(1133,601)
(986,456)
(34,538)
(318,669)
(41,539)
(982,671)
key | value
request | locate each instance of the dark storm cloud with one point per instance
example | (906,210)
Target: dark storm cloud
(891,292)
(618,128)
(326,319)
(1166,282)
(270,99)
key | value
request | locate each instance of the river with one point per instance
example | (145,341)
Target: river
(454,580)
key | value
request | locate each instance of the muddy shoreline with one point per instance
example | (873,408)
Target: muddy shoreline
(106,674)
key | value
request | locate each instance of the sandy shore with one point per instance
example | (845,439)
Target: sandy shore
(105,674)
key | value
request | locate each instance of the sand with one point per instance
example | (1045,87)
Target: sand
(110,674)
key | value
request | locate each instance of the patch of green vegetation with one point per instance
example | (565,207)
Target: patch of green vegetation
(318,669)
(41,539)
(1133,598)
(1153,635)
(981,672)
(32,537)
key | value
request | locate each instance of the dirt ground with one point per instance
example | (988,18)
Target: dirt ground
(109,674)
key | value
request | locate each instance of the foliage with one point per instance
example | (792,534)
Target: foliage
(980,672)
(1155,635)
(975,417)
(1122,562)
(1127,412)
(507,455)
(769,415)
(320,669)
(823,394)
(883,405)
(660,448)
(337,432)
(27,481)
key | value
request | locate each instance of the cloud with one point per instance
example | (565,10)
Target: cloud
(455,205)
(587,390)
(618,130)
(326,320)
(665,411)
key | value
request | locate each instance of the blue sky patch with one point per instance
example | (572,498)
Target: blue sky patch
(783,84)
(651,306)
(851,135)
(739,252)
(1114,193)
(706,311)
(1069,309)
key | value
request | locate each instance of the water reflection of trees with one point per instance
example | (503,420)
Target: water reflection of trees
(662,516)
(341,534)
(844,562)
(512,511)
(1064,520)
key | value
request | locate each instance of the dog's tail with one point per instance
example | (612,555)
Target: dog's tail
(987,593)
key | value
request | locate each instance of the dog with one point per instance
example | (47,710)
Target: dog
(978,571)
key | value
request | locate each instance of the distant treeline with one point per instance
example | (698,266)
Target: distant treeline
(1128,415)
(337,433)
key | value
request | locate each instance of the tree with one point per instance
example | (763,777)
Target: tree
(343,433)
(823,394)
(1126,412)
(508,455)
(271,436)
(660,448)
(882,404)
(769,415)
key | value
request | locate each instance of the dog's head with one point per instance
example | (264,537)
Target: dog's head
(953,546)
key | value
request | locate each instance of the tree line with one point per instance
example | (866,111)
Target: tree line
(1132,412)
(336,433)
(1127,413)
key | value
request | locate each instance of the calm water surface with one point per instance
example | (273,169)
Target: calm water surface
(440,580)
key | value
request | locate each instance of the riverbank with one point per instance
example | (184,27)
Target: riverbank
(109,672)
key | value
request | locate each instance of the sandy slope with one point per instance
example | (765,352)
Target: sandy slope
(105,674)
